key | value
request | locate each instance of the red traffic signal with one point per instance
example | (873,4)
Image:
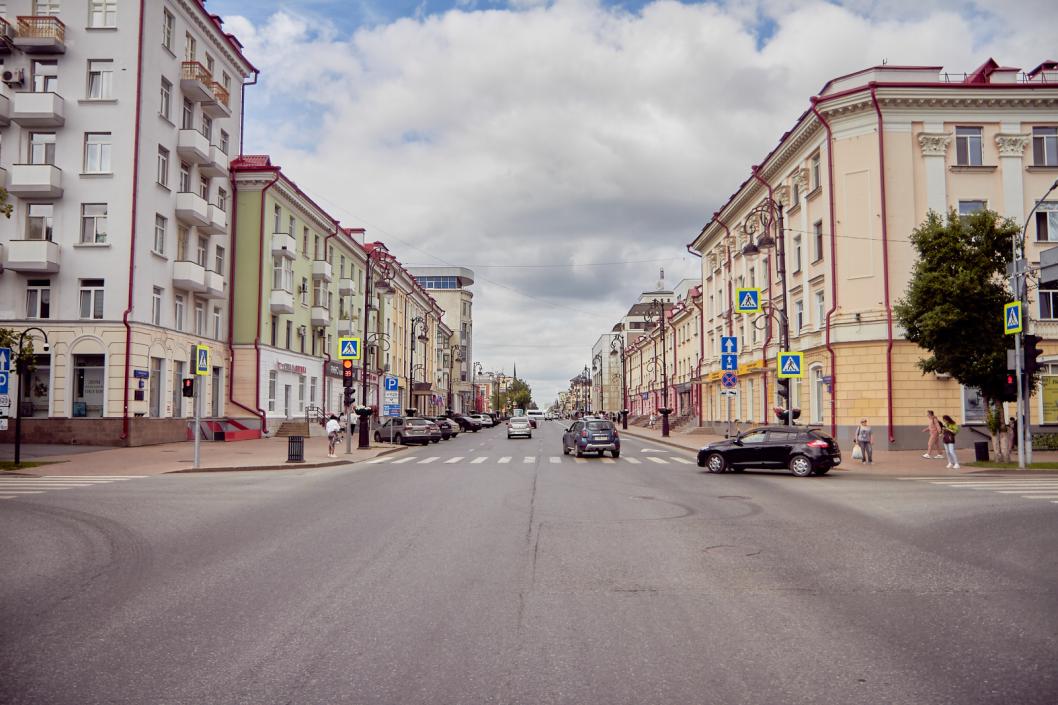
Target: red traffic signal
(188,388)
(347,373)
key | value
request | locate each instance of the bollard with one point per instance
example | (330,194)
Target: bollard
(296,449)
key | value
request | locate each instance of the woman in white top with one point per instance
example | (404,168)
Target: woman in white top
(333,429)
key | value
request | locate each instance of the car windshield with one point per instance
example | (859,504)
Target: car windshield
(600,426)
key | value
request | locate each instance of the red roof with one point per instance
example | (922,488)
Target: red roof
(251,161)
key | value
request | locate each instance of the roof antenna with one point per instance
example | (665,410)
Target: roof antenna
(885,61)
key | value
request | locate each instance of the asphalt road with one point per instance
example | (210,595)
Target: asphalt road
(527,577)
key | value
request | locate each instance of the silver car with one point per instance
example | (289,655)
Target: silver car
(519,426)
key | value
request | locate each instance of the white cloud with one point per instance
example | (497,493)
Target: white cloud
(565,132)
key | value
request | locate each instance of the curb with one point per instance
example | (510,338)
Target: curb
(287,466)
(662,441)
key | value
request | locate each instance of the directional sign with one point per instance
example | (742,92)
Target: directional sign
(348,348)
(729,344)
(201,359)
(391,409)
(747,300)
(729,362)
(390,383)
(5,359)
(1012,318)
(728,392)
(729,380)
(4,378)
(791,364)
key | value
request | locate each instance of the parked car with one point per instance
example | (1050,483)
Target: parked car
(519,426)
(587,435)
(485,420)
(405,429)
(801,449)
(449,428)
(435,430)
(466,423)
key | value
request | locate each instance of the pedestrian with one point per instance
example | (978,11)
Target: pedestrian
(1012,425)
(933,429)
(948,432)
(653,419)
(865,440)
(333,429)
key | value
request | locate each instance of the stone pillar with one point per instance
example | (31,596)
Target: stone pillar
(1011,151)
(934,146)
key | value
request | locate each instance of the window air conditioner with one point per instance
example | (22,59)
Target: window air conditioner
(14,77)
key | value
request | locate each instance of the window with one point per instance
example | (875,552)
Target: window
(273,381)
(207,127)
(185,177)
(315,247)
(225,140)
(304,291)
(45,76)
(290,333)
(42,148)
(970,207)
(1045,146)
(93,223)
(211,65)
(276,219)
(156,306)
(820,308)
(168,23)
(341,266)
(163,167)
(274,330)
(1047,222)
(46,7)
(222,199)
(795,191)
(203,187)
(799,315)
(92,298)
(796,254)
(1048,304)
(312,390)
(190,47)
(100,79)
(301,392)
(814,172)
(282,274)
(182,235)
(103,13)
(225,81)
(216,322)
(203,248)
(97,149)
(178,311)
(200,318)
(187,115)
(817,240)
(218,260)
(38,298)
(304,238)
(161,225)
(166,99)
(39,221)
(968,146)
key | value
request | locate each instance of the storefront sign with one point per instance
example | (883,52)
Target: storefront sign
(750,366)
(296,369)
(1050,398)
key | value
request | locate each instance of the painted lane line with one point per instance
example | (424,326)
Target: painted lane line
(426,461)
(504,459)
(100,477)
(579,460)
(404,460)
(677,459)
(611,461)
(660,461)
(480,459)
(555,459)
(634,461)
(454,460)
(1028,491)
(24,491)
(529,459)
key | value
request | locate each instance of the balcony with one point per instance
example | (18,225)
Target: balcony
(196,81)
(345,326)
(38,109)
(192,209)
(218,221)
(321,269)
(215,285)
(320,316)
(284,245)
(5,109)
(189,276)
(32,256)
(192,146)
(218,105)
(41,35)
(216,164)
(346,286)
(35,181)
(282,301)
(7,36)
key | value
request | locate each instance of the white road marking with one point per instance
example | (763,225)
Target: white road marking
(611,461)
(685,461)
(634,461)
(579,460)
(657,460)
(480,459)
(653,450)
(404,460)
(529,459)
(555,459)
(24,491)
(380,459)
(99,477)
(504,459)
(425,461)
(455,459)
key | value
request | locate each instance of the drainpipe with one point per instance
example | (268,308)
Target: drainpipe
(326,350)
(833,265)
(260,302)
(885,263)
(242,110)
(767,338)
(132,226)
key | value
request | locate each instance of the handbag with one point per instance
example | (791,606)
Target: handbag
(857,452)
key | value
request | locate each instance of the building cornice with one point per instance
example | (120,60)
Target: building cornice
(222,41)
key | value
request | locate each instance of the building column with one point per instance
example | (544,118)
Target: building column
(1011,151)
(934,146)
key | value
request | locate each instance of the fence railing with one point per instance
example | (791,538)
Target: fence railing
(194,71)
(42,27)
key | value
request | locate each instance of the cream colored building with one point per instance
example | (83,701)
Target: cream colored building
(859,170)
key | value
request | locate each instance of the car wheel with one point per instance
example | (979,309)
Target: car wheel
(822,471)
(579,453)
(398,439)
(800,466)
(715,463)
(565,450)
(436,440)
(615,453)
(378,437)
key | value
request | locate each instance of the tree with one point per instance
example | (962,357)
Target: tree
(953,306)
(6,208)
(519,394)
(9,339)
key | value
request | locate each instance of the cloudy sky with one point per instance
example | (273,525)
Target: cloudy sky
(565,150)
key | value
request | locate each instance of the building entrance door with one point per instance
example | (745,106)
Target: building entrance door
(156,382)
(218,385)
(286,401)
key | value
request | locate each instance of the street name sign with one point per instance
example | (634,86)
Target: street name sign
(728,344)
(1012,318)
(201,359)
(747,300)
(791,365)
(348,348)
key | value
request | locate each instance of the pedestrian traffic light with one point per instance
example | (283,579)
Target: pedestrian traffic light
(188,388)
(1010,386)
(1031,351)
(347,374)
(783,388)
(350,396)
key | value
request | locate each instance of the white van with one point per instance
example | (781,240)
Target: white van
(536,414)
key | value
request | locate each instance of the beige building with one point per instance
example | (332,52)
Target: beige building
(449,286)
(859,170)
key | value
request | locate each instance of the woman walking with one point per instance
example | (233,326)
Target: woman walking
(865,440)
(949,429)
(333,430)
(933,429)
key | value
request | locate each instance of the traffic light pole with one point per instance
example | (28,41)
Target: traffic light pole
(1020,401)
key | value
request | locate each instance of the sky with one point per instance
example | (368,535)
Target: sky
(566,150)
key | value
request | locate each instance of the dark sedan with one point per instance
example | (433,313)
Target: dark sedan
(466,423)
(588,435)
(801,449)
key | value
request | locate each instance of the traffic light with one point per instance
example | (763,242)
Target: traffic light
(347,374)
(1010,386)
(782,388)
(1031,351)
(188,388)
(350,396)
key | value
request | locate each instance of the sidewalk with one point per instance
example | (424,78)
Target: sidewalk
(260,454)
(886,462)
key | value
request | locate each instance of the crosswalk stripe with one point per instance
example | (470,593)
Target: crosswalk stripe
(634,461)
(529,459)
(580,460)
(24,491)
(99,477)
(426,461)
(380,459)
(677,459)
(555,459)
(660,461)
(455,459)
(404,460)
(504,459)
(480,459)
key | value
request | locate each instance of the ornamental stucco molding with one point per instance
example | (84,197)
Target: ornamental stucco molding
(800,180)
(782,195)
(934,144)
(1011,144)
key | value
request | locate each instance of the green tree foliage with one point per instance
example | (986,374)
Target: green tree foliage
(9,339)
(519,394)
(953,306)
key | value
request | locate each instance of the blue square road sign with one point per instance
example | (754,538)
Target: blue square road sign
(729,362)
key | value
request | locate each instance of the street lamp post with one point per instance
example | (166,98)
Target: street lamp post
(596,366)
(383,287)
(22,369)
(475,370)
(657,313)
(617,349)
(770,211)
(416,323)
(453,352)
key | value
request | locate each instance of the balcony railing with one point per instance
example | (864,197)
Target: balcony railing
(194,71)
(42,27)
(221,94)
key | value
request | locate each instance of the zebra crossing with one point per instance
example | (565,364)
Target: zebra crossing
(1043,487)
(526,460)
(15,487)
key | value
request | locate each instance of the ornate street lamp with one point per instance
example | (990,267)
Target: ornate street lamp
(617,349)
(22,367)
(656,315)
(382,262)
(417,324)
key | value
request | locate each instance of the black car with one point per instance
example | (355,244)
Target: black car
(466,423)
(802,449)
(449,429)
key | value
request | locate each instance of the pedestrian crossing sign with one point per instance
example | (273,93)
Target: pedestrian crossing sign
(202,360)
(1012,318)
(747,300)
(348,348)
(791,365)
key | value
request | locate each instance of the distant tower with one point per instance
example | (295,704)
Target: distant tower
(515,373)
(661,280)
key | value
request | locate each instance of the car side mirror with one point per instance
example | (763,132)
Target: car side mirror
(737,440)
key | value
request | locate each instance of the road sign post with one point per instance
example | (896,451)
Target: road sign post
(747,300)
(790,366)
(200,363)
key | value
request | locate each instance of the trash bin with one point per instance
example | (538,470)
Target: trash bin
(296,449)
(981,451)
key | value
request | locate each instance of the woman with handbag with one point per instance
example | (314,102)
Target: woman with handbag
(949,429)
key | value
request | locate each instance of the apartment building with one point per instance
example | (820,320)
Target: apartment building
(117,132)
(449,287)
(874,152)
(297,287)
